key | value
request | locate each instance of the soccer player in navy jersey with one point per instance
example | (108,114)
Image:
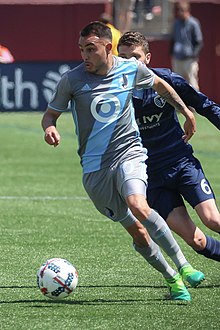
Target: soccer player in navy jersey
(173,170)
(112,155)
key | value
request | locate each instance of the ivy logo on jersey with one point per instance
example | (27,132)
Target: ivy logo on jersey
(159,101)
(105,108)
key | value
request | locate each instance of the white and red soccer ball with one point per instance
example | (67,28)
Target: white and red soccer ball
(57,278)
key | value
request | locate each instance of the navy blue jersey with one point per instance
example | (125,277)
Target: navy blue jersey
(159,126)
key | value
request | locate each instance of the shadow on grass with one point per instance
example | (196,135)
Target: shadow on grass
(17,286)
(144,286)
(49,303)
(44,303)
(89,286)
(110,286)
(213,286)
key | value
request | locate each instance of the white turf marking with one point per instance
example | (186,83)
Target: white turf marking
(52,198)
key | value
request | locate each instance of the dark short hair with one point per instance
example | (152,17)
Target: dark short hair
(98,29)
(134,38)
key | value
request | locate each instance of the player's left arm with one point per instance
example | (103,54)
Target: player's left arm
(208,109)
(170,95)
(199,101)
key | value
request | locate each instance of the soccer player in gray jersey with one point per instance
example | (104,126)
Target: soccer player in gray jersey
(112,156)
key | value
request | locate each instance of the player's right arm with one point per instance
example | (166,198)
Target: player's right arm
(51,136)
(169,94)
(56,106)
(147,79)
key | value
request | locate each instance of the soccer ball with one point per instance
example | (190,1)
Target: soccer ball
(57,278)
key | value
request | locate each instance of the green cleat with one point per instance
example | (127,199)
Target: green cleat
(191,275)
(178,291)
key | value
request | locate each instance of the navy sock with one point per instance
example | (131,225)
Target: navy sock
(212,249)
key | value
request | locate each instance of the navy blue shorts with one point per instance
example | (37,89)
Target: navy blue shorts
(167,188)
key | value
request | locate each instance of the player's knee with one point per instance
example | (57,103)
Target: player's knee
(196,241)
(138,212)
(212,221)
(209,214)
(139,207)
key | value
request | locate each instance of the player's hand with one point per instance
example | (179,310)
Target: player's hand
(52,137)
(189,127)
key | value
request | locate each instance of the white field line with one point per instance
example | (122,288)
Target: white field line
(52,198)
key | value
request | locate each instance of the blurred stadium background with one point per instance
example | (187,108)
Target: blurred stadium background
(43,37)
(44,209)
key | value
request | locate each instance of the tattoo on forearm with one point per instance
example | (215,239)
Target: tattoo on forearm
(174,100)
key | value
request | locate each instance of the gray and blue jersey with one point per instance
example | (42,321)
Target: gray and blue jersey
(103,111)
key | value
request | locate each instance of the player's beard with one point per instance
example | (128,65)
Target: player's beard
(97,69)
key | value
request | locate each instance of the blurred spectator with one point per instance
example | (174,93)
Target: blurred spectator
(186,44)
(116,34)
(5,55)
(143,7)
(123,13)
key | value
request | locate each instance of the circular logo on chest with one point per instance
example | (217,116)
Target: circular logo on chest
(159,101)
(105,108)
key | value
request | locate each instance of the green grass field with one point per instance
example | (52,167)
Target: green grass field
(45,213)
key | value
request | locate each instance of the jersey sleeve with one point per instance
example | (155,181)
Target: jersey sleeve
(145,76)
(199,101)
(62,95)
